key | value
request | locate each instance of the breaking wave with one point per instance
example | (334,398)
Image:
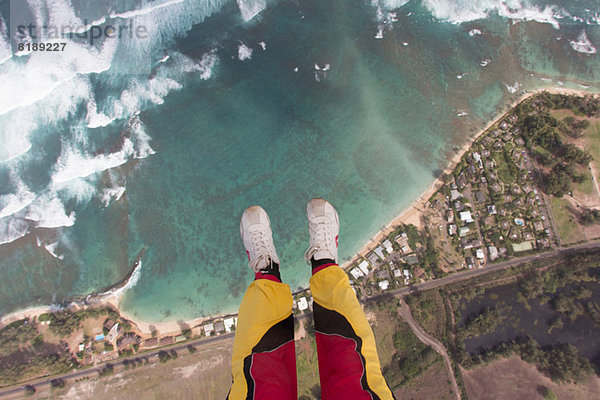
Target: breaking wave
(583,44)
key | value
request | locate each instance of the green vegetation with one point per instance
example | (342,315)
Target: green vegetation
(412,357)
(483,322)
(568,229)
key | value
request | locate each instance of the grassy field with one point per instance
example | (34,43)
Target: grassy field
(568,228)
(203,375)
(593,140)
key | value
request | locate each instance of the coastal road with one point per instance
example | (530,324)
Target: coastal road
(46,381)
(431,284)
(471,273)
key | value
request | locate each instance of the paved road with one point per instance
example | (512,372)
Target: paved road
(404,312)
(456,277)
(471,273)
(38,383)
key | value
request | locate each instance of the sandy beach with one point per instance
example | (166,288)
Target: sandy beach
(411,215)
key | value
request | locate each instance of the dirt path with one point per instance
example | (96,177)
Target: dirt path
(404,312)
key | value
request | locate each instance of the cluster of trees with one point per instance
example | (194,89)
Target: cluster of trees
(164,356)
(588,106)
(573,127)
(481,323)
(410,359)
(561,362)
(589,216)
(541,129)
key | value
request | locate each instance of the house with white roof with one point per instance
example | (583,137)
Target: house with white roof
(388,246)
(356,273)
(379,252)
(229,323)
(364,267)
(302,304)
(208,329)
(465,216)
(384,284)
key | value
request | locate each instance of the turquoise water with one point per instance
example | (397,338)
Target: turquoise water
(369,133)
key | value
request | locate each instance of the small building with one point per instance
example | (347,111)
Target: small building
(364,267)
(519,142)
(450,216)
(129,339)
(458,205)
(397,273)
(383,273)
(219,327)
(465,216)
(493,252)
(452,230)
(388,246)
(479,253)
(384,285)
(302,304)
(356,273)
(208,329)
(538,226)
(496,188)
(81,347)
(229,323)
(491,209)
(463,231)
(527,235)
(373,259)
(480,197)
(504,224)
(180,338)
(379,252)
(455,195)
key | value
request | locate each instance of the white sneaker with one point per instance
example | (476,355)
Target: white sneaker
(324,227)
(255,229)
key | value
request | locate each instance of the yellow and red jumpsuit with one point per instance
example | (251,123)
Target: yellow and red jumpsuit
(264,360)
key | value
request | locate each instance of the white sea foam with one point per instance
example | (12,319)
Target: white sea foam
(485,62)
(462,114)
(145,10)
(49,212)
(244,52)
(5,50)
(12,228)
(15,202)
(546,79)
(459,11)
(263,45)
(94,118)
(164,59)
(110,194)
(583,44)
(474,32)
(131,282)
(250,8)
(379,34)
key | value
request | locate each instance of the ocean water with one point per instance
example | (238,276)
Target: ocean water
(153,146)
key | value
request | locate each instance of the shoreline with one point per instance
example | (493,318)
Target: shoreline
(112,295)
(411,214)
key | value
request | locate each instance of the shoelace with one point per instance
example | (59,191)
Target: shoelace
(262,257)
(321,233)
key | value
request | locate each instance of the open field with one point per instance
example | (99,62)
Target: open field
(569,229)
(203,375)
(512,378)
